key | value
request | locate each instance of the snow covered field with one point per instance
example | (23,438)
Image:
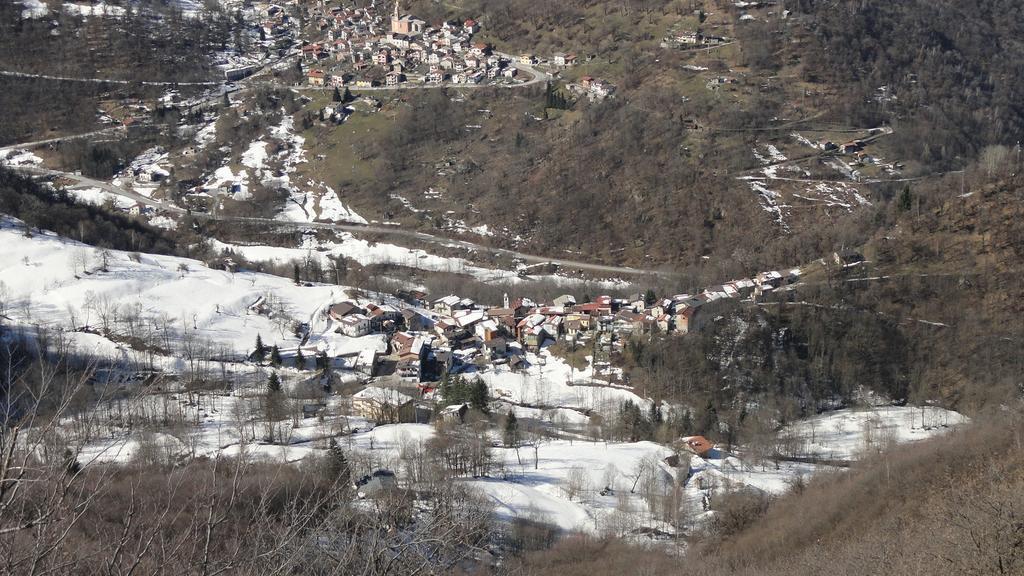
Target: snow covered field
(60,283)
(95,196)
(576,485)
(212,424)
(847,434)
(550,382)
(595,487)
(368,253)
(564,487)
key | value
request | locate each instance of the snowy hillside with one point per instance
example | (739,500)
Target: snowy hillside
(848,434)
(106,302)
(60,283)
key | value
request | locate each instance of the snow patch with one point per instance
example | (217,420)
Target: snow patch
(99,9)
(19,158)
(34,9)
(98,197)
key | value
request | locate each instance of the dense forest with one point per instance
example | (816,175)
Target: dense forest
(954,70)
(151,42)
(650,177)
(923,321)
(45,209)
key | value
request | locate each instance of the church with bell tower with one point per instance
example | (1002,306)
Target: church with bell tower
(404,23)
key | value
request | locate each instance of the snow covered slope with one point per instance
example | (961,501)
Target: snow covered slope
(63,284)
(847,434)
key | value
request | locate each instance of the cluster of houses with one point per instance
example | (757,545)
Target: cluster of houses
(276,23)
(857,149)
(593,88)
(694,39)
(358,47)
(448,335)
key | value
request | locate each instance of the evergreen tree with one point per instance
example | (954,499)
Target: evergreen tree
(273,384)
(300,360)
(227,100)
(455,390)
(296,272)
(261,351)
(709,420)
(446,388)
(649,297)
(347,96)
(478,395)
(337,464)
(337,95)
(632,424)
(275,356)
(906,200)
(654,414)
(511,435)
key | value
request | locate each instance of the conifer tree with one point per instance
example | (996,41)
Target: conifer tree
(649,297)
(654,414)
(273,383)
(511,435)
(906,200)
(478,395)
(300,360)
(337,95)
(446,388)
(261,351)
(275,356)
(337,463)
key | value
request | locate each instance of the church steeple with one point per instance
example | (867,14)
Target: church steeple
(397,15)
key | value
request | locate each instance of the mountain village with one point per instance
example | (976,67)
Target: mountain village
(432,340)
(359,47)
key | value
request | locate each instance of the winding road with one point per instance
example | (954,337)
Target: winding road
(84,181)
(37,143)
(13,74)
(537,76)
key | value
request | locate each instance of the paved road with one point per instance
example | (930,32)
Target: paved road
(537,76)
(441,240)
(358,228)
(37,143)
(10,73)
(85,181)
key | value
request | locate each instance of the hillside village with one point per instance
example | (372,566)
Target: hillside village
(430,341)
(362,48)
